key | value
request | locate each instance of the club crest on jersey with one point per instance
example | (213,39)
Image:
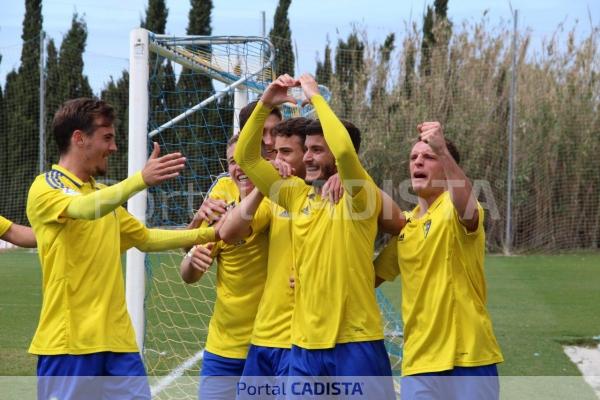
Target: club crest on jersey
(426,227)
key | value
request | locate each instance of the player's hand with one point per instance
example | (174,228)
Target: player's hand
(277,92)
(285,169)
(159,169)
(333,189)
(309,85)
(210,211)
(201,259)
(432,134)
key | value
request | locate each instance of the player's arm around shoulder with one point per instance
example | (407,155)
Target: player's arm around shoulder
(386,264)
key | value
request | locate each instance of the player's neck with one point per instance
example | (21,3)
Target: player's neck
(425,201)
(70,163)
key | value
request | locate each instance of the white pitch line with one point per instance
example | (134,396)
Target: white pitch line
(177,372)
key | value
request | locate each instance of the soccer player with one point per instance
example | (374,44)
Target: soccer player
(450,350)
(84,328)
(336,327)
(16,234)
(268,355)
(214,206)
(241,274)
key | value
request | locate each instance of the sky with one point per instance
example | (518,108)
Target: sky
(312,23)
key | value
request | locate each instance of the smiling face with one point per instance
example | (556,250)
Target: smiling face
(318,159)
(244,184)
(268,140)
(291,150)
(97,147)
(426,171)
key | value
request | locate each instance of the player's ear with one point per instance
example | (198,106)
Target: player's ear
(77,138)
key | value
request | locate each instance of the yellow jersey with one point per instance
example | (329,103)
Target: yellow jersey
(5,225)
(83,308)
(446,323)
(333,244)
(273,324)
(241,274)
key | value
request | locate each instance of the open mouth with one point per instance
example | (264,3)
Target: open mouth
(311,168)
(419,175)
(242,178)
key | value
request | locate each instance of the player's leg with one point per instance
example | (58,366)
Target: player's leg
(125,377)
(368,360)
(67,376)
(264,366)
(219,376)
(471,383)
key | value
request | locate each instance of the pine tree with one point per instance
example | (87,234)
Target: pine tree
(116,93)
(281,37)
(324,69)
(349,65)
(72,82)
(52,100)
(21,102)
(437,30)
(156,16)
(378,89)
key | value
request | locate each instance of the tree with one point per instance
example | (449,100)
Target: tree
(281,37)
(116,93)
(378,90)
(72,82)
(52,99)
(437,30)
(324,69)
(156,16)
(349,66)
(21,102)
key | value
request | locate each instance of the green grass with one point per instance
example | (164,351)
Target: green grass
(537,303)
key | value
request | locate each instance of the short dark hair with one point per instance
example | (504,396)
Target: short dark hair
(232,140)
(293,127)
(315,128)
(80,114)
(249,108)
(452,149)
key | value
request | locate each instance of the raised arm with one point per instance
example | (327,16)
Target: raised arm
(459,186)
(248,150)
(337,138)
(101,202)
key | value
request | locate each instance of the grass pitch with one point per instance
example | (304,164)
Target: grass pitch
(537,303)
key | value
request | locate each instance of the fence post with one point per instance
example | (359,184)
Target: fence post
(42,115)
(511,118)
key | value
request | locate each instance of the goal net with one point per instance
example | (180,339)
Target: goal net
(185,93)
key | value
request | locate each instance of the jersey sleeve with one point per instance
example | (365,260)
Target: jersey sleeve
(386,263)
(48,201)
(133,232)
(101,202)
(5,225)
(338,139)
(462,230)
(262,217)
(265,177)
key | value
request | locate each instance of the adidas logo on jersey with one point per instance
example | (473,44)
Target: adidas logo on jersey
(285,214)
